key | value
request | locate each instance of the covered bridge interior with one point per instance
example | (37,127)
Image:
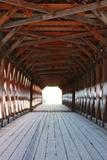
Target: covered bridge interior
(56,43)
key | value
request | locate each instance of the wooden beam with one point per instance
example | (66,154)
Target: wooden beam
(35,64)
(50,50)
(44,8)
(59,14)
(101,15)
(71,36)
(9,35)
(68,41)
(84,51)
(79,63)
(46,36)
(51,68)
(26,56)
(97,35)
(55,72)
(54,69)
(84,19)
(57,53)
(80,18)
(25,5)
(81,56)
(56,23)
(12,47)
(55,28)
(91,45)
(47,66)
(46,69)
(21,52)
(71,68)
(15,45)
(7,15)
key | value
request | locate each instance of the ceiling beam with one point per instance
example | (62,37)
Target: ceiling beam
(91,45)
(51,68)
(51,39)
(101,15)
(8,36)
(22,53)
(98,36)
(26,56)
(49,49)
(77,61)
(44,8)
(56,23)
(55,72)
(84,19)
(25,5)
(55,28)
(84,51)
(12,47)
(51,62)
(7,15)
(58,14)
(80,18)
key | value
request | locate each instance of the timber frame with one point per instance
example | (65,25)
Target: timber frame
(61,43)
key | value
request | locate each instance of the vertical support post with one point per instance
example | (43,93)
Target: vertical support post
(73,100)
(31,96)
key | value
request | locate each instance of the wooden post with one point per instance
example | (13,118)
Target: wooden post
(31,96)
(73,100)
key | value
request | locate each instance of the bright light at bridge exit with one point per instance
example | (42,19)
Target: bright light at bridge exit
(52,95)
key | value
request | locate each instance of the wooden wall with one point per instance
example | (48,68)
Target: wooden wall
(91,92)
(15,91)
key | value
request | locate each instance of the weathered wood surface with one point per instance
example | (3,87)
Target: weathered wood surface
(53,133)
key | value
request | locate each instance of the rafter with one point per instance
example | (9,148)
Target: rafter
(7,15)
(101,15)
(92,47)
(49,39)
(80,64)
(44,8)
(55,72)
(84,51)
(55,28)
(56,23)
(98,36)
(12,47)
(25,5)
(8,36)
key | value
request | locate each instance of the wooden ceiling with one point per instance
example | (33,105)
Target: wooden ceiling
(53,41)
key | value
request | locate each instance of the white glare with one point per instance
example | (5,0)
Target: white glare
(52,95)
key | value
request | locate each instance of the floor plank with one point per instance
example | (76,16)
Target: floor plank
(10,147)
(97,142)
(52,132)
(31,137)
(71,151)
(60,145)
(41,150)
(94,154)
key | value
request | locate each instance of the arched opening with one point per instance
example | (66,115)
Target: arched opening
(52,95)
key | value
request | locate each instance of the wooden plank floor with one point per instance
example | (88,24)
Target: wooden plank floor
(53,133)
